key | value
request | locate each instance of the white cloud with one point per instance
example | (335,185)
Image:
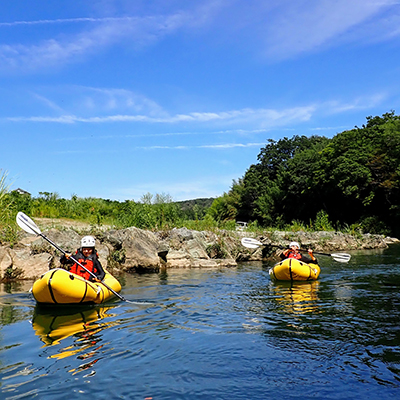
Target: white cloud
(279,29)
(306,25)
(359,103)
(263,117)
(255,121)
(108,32)
(222,146)
(68,20)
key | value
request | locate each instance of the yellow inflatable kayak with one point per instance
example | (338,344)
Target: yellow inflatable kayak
(291,269)
(59,286)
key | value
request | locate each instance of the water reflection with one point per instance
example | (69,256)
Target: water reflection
(85,325)
(55,324)
(296,297)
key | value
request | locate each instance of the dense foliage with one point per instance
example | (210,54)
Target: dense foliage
(157,212)
(350,182)
(353,177)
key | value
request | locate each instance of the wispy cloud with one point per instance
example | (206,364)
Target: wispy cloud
(236,132)
(284,29)
(307,25)
(108,31)
(68,21)
(221,146)
(263,117)
(359,103)
(280,29)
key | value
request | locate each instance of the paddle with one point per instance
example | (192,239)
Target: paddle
(254,244)
(29,226)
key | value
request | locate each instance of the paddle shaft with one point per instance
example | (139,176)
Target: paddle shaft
(283,248)
(254,243)
(314,252)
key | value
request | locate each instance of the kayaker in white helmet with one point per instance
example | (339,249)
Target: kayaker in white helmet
(88,257)
(293,251)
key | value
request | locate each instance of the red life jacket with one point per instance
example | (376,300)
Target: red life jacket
(292,254)
(88,263)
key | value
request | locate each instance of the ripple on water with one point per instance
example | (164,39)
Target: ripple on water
(229,334)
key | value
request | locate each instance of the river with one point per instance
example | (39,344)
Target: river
(229,334)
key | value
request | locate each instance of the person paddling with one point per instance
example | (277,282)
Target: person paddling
(294,252)
(88,257)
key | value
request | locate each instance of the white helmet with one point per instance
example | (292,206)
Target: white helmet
(293,244)
(88,241)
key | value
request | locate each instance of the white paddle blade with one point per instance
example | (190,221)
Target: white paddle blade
(27,224)
(341,257)
(251,243)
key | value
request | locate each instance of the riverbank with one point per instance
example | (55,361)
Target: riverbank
(135,250)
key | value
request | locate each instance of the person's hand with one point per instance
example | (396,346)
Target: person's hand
(310,252)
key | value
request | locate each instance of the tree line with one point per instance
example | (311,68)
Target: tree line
(350,182)
(155,212)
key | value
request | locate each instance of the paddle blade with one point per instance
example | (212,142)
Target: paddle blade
(341,257)
(27,224)
(251,243)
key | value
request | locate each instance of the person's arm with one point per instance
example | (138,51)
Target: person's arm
(311,259)
(100,273)
(285,254)
(66,260)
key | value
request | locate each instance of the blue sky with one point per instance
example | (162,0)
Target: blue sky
(119,98)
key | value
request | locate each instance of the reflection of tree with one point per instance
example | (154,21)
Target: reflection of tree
(15,304)
(11,314)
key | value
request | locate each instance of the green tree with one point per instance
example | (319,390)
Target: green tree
(360,170)
(266,194)
(223,208)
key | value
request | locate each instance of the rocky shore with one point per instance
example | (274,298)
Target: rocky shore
(137,250)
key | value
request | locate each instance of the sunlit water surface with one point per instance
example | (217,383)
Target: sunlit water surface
(213,334)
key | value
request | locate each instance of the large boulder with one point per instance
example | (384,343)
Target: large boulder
(194,249)
(136,250)
(22,264)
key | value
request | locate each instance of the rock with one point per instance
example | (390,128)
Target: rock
(194,249)
(390,240)
(21,264)
(139,249)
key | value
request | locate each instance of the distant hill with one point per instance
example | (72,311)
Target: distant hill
(196,206)
(203,202)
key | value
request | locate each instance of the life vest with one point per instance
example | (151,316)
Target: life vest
(292,254)
(89,263)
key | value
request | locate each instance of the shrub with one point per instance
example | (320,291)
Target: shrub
(322,222)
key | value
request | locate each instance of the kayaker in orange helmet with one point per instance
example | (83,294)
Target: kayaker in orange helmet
(294,252)
(88,257)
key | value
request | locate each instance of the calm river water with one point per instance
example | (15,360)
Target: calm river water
(214,334)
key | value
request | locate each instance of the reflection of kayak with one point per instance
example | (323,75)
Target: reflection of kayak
(297,297)
(55,324)
(59,286)
(291,269)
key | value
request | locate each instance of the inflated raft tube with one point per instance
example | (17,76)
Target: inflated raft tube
(59,286)
(291,269)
